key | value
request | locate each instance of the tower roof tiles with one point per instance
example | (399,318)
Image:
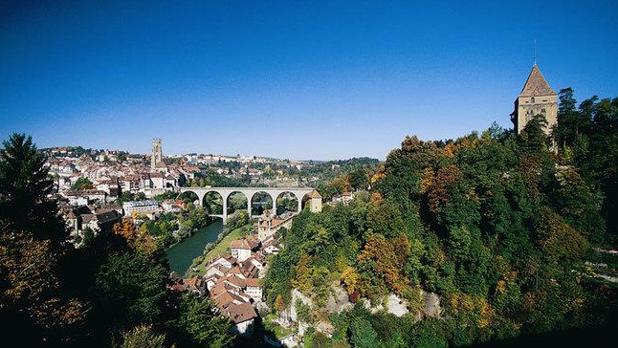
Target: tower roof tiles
(536,85)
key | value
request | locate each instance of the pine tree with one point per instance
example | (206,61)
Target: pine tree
(24,189)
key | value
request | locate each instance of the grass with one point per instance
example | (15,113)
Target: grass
(223,246)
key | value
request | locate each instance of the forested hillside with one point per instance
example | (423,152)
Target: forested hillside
(498,225)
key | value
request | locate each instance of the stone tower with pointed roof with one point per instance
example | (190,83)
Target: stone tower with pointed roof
(536,98)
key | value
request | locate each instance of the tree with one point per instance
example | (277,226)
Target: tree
(198,321)
(31,297)
(302,271)
(380,264)
(32,245)
(24,187)
(280,304)
(139,240)
(349,277)
(135,283)
(358,178)
(142,336)
(533,139)
(363,334)
(82,183)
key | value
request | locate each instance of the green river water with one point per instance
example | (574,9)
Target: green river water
(181,255)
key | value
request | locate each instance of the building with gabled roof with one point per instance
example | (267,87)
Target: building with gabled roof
(242,315)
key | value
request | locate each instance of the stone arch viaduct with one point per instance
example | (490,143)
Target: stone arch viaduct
(249,192)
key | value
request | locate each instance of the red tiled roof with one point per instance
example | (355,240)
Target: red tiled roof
(234,280)
(239,313)
(253,282)
(240,244)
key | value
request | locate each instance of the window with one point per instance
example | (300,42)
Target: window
(542,111)
(532,100)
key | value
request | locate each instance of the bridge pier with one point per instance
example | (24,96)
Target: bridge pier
(224,209)
(200,199)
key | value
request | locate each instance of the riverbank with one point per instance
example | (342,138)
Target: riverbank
(181,255)
(219,249)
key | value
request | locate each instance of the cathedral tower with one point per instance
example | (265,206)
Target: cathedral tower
(156,158)
(536,98)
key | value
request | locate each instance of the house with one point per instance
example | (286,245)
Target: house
(249,270)
(93,195)
(216,269)
(72,221)
(157,180)
(242,315)
(344,198)
(227,298)
(235,281)
(240,249)
(170,205)
(254,288)
(227,261)
(237,271)
(211,281)
(106,218)
(89,221)
(196,285)
(130,183)
(97,222)
(76,199)
(270,246)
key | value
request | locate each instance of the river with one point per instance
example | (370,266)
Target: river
(181,255)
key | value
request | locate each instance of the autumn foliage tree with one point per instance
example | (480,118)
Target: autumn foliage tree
(137,239)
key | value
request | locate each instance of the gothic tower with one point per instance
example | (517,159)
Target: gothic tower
(156,158)
(536,98)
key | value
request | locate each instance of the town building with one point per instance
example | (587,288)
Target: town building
(146,207)
(268,225)
(242,316)
(344,198)
(241,249)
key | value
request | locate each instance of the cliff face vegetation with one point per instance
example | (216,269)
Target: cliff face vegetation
(499,225)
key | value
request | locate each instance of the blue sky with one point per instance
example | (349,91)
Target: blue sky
(289,79)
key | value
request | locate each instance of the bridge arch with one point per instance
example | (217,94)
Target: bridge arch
(189,197)
(287,201)
(303,201)
(237,200)
(264,201)
(212,201)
